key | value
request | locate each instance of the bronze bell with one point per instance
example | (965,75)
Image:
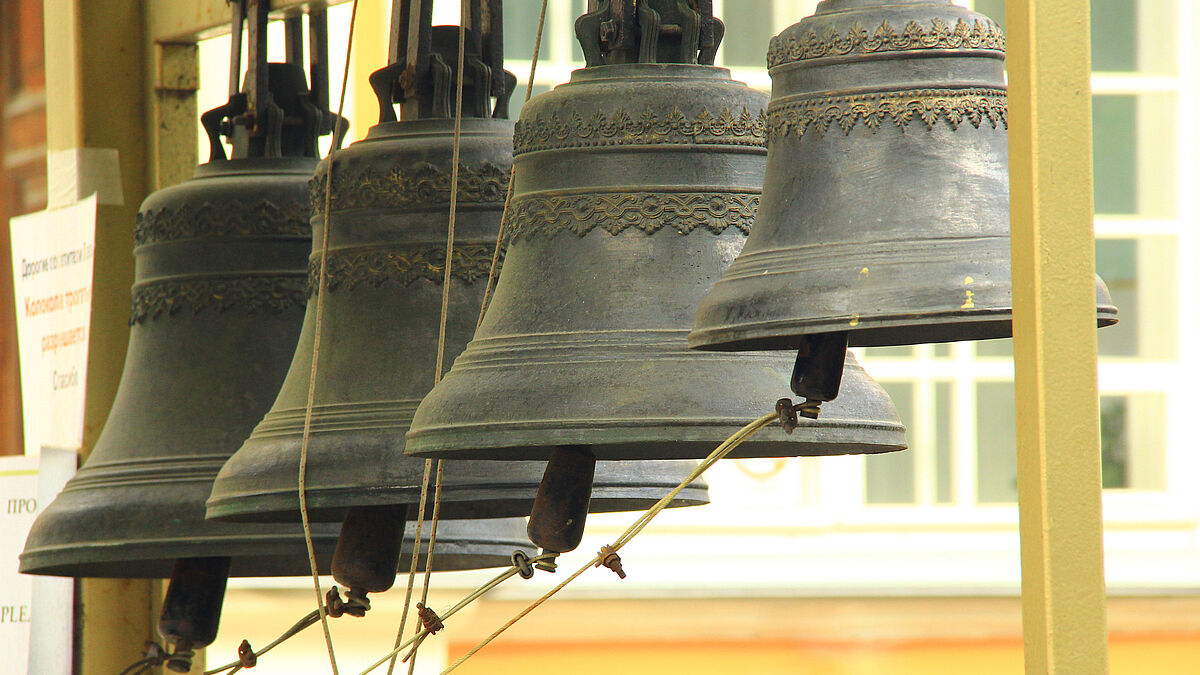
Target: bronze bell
(218,300)
(885,204)
(385,265)
(636,184)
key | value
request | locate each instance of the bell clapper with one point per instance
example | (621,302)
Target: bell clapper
(368,550)
(561,506)
(192,608)
(817,375)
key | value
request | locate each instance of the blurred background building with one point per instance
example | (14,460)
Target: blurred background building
(902,563)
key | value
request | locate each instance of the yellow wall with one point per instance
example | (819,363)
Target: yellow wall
(1127,656)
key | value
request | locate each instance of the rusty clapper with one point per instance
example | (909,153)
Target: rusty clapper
(636,184)
(383,285)
(884,216)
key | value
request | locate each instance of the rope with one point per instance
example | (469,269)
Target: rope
(515,569)
(437,504)
(491,281)
(412,567)
(312,376)
(638,525)
(463,19)
(308,620)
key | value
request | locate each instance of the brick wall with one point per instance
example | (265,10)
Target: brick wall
(22,178)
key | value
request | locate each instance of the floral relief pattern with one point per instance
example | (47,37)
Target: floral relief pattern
(645,211)
(234,218)
(380,266)
(252,295)
(982,34)
(422,185)
(555,131)
(928,106)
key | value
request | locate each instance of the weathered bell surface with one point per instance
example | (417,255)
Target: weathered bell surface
(469,544)
(217,305)
(885,205)
(385,265)
(636,184)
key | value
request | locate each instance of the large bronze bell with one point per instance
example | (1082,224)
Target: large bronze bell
(885,204)
(385,265)
(218,300)
(636,184)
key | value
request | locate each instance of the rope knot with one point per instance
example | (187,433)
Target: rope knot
(355,604)
(246,655)
(610,559)
(787,414)
(429,619)
(523,565)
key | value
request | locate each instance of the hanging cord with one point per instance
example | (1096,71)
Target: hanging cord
(335,141)
(437,503)
(463,18)
(522,565)
(607,553)
(491,280)
(412,567)
(247,657)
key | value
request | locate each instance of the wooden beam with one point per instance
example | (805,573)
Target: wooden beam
(1054,337)
(192,20)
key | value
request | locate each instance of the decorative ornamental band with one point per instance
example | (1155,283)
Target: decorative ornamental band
(927,106)
(557,131)
(399,264)
(616,212)
(252,295)
(423,185)
(234,218)
(982,34)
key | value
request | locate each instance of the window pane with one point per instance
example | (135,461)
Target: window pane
(1114,139)
(943,444)
(890,477)
(1114,31)
(520,29)
(1001,347)
(1116,263)
(1134,142)
(578,9)
(1129,36)
(1132,441)
(992,9)
(888,352)
(995,442)
(749,25)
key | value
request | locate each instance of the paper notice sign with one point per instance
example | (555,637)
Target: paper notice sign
(18,505)
(52,273)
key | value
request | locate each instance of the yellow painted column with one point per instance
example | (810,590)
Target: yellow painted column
(1054,330)
(108,87)
(370,54)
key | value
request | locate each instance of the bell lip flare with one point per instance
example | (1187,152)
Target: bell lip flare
(861,421)
(462,545)
(490,493)
(880,330)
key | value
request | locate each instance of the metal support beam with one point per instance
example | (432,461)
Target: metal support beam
(1054,330)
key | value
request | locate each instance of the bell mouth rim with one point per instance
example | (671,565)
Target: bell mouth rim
(884,330)
(254,166)
(329,505)
(511,444)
